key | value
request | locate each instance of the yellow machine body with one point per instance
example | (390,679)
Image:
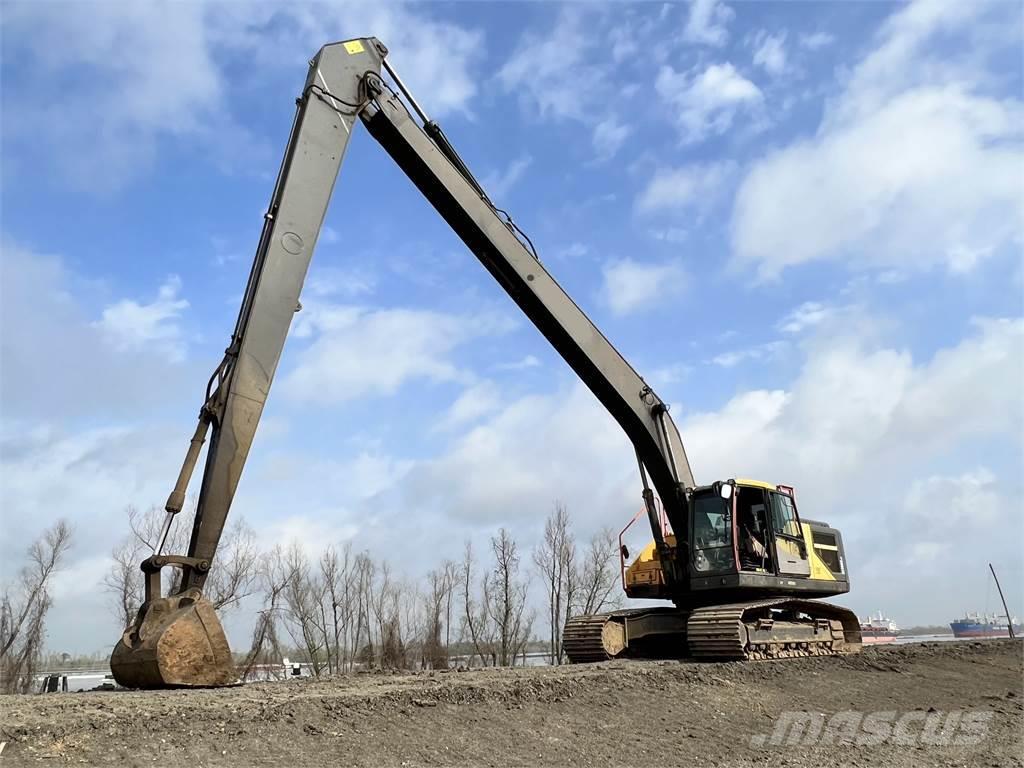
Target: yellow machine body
(644,578)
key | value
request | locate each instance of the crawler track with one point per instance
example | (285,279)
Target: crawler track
(771,629)
(779,628)
(583,639)
(600,636)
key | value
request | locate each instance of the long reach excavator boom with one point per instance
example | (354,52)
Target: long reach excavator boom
(177,640)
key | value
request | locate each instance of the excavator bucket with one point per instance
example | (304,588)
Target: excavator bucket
(176,642)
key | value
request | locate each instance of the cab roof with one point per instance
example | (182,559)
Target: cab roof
(745,482)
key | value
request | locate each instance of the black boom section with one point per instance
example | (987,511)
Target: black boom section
(497,248)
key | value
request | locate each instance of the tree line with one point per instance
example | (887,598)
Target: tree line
(346,609)
(343,609)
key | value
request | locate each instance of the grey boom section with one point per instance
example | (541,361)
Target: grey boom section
(325,117)
(598,364)
(335,94)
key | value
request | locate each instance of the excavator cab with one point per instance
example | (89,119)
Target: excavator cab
(746,537)
(740,575)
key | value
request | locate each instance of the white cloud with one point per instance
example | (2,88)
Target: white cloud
(734,357)
(80,580)
(854,407)
(313,531)
(770,52)
(688,186)
(911,167)
(336,492)
(816,40)
(668,375)
(514,464)
(148,72)
(347,283)
(963,258)
(971,498)
(631,286)
(608,137)
(991,361)
(130,325)
(705,104)
(669,234)
(949,515)
(564,72)
(498,184)
(807,315)
(475,402)
(551,73)
(707,23)
(47,330)
(356,351)
(142,72)
(624,44)
(890,277)
(572,251)
(529,361)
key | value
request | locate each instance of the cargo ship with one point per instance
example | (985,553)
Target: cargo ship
(879,629)
(983,625)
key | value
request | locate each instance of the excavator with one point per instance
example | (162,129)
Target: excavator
(736,559)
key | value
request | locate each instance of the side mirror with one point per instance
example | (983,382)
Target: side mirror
(725,491)
(624,551)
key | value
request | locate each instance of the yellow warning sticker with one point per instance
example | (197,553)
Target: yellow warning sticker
(354,46)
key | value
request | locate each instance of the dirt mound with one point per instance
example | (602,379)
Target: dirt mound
(624,713)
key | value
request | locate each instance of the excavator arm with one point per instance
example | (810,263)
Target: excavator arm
(177,640)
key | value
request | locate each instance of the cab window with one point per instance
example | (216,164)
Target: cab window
(712,533)
(784,518)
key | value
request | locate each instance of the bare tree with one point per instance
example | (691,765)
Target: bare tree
(597,575)
(23,609)
(362,629)
(476,623)
(437,609)
(232,577)
(555,558)
(265,649)
(387,602)
(124,579)
(303,601)
(451,570)
(337,574)
(505,597)
(411,603)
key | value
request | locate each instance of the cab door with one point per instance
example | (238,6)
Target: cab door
(790,548)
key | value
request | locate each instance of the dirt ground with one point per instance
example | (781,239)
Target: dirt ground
(615,713)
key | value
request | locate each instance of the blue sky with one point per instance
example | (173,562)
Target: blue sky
(801,222)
